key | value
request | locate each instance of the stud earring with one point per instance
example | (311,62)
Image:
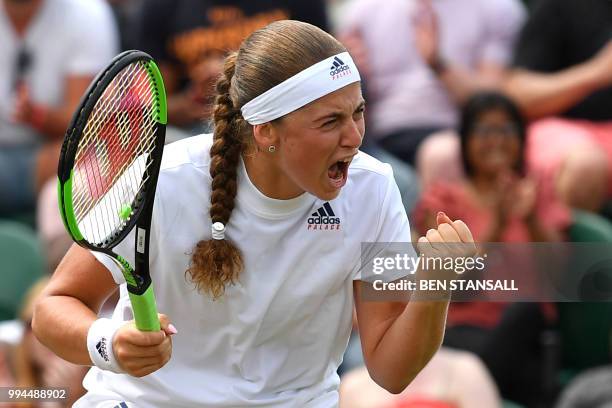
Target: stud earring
(272,149)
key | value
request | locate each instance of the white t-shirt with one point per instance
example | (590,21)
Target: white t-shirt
(66,37)
(276,338)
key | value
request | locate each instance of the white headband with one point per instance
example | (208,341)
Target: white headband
(304,87)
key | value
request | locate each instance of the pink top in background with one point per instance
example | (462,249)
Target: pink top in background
(455,200)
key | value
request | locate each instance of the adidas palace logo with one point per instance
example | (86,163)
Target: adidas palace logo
(323,219)
(101,347)
(339,69)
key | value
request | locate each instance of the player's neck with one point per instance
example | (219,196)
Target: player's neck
(269,179)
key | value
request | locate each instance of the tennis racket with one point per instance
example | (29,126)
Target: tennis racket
(108,169)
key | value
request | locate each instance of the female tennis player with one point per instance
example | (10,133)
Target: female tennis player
(255,251)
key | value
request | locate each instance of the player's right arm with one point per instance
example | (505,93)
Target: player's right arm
(69,305)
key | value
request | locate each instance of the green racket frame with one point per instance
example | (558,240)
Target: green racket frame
(139,284)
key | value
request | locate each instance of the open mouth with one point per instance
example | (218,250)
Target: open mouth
(338,172)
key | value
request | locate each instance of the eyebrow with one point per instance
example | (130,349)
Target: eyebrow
(338,113)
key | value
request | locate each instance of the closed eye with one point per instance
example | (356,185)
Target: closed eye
(332,119)
(329,122)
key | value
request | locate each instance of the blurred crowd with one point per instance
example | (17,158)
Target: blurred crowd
(498,112)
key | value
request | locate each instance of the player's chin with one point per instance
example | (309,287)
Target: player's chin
(327,192)
(328,195)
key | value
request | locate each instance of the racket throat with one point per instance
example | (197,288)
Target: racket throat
(136,284)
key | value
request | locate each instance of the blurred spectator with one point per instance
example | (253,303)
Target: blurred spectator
(452,379)
(439,159)
(406,178)
(499,204)
(590,389)
(496,200)
(52,49)
(564,61)
(51,231)
(564,69)
(189,39)
(126,12)
(421,58)
(36,366)
(6,376)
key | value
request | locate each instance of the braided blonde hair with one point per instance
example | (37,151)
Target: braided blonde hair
(266,58)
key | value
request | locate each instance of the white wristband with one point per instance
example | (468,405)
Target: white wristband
(100,344)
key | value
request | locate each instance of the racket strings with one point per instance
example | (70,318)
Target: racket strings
(128,186)
(112,207)
(113,155)
(108,147)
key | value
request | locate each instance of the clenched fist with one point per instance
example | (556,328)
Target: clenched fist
(436,241)
(451,240)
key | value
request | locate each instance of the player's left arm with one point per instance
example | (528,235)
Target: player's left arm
(398,339)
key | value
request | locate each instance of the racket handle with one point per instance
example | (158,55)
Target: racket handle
(145,310)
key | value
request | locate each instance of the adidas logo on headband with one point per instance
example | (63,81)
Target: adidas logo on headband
(339,69)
